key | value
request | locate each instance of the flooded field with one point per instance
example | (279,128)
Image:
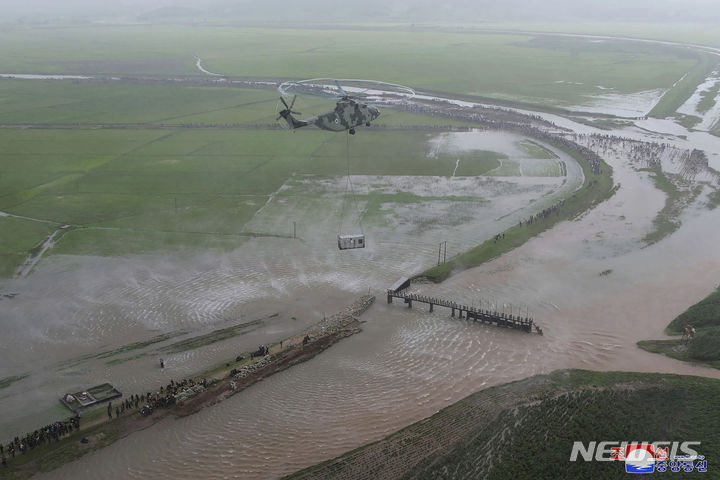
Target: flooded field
(407,364)
(590,283)
(79,320)
(594,284)
(622,105)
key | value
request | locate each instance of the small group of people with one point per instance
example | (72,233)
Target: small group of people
(163,398)
(543,214)
(260,352)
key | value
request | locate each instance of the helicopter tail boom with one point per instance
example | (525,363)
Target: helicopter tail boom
(292,121)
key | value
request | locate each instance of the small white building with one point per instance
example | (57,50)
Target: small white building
(346,242)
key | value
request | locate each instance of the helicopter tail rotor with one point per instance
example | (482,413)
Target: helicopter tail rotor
(288,113)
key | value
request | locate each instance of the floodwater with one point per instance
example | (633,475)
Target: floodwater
(631,105)
(72,308)
(408,363)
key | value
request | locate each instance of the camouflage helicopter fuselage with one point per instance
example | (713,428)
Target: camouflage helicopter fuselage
(347,115)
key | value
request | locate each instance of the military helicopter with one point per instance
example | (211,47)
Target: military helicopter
(350,111)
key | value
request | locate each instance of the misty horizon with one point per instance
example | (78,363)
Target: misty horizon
(319,11)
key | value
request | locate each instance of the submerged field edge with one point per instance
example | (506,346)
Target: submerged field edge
(597,187)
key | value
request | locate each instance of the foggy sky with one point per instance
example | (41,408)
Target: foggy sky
(361,11)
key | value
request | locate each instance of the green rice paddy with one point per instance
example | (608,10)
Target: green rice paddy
(148,183)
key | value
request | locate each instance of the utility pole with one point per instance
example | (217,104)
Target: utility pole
(442,252)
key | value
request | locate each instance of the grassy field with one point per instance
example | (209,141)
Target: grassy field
(526,429)
(491,65)
(114,103)
(675,32)
(685,87)
(131,190)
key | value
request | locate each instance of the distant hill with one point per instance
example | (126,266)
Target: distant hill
(525,430)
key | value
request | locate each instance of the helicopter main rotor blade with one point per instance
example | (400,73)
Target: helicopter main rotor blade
(292,104)
(283,101)
(343,92)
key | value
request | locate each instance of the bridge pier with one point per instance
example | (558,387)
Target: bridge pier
(431,308)
(452,312)
(460,313)
(389,297)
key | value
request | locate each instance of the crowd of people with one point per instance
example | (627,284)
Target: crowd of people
(144,404)
(47,434)
(648,154)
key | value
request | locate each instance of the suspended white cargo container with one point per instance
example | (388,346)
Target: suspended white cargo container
(346,242)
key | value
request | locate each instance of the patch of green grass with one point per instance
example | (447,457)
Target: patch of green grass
(714,199)
(666,221)
(17,238)
(685,87)
(114,242)
(705,345)
(534,149)
(578,202)
(678,350)
(606,272)
(707,98)
(7,381)
(687,121)
(117,361)
(602,123)
(705,313)
(139,345)
(212,337)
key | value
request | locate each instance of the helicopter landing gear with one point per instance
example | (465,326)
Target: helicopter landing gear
(352,131)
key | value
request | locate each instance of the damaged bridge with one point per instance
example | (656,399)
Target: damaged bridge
(501,319)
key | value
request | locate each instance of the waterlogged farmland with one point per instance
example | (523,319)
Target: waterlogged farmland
(164,215)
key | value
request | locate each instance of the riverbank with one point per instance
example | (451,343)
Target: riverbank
(526,429)
(209,388)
